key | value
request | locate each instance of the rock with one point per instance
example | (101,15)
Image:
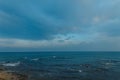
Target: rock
(12,76)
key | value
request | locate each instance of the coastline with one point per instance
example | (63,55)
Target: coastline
(11,75)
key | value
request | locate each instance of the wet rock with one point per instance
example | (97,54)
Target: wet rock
(86,65)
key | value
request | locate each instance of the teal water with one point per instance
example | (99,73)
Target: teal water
(64,65)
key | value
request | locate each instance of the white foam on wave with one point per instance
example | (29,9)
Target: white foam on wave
(109,63)
(11,64)
(35,59)
(80,71)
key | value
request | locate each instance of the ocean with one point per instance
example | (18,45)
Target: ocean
(63,65)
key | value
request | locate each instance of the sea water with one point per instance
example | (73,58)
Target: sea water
(63,65)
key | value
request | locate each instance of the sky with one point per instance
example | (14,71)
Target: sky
(59,25)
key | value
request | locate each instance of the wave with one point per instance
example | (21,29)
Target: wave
(35,59)
(11,64)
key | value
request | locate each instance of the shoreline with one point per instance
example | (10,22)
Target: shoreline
(10,75)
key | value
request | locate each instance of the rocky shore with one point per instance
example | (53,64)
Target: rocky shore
(9,75)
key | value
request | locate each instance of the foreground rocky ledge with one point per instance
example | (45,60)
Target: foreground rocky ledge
(4,75)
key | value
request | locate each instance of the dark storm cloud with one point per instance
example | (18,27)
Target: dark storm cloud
(35,19)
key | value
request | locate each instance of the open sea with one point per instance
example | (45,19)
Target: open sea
(63,65)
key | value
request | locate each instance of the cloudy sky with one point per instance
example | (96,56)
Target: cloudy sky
(59,25)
